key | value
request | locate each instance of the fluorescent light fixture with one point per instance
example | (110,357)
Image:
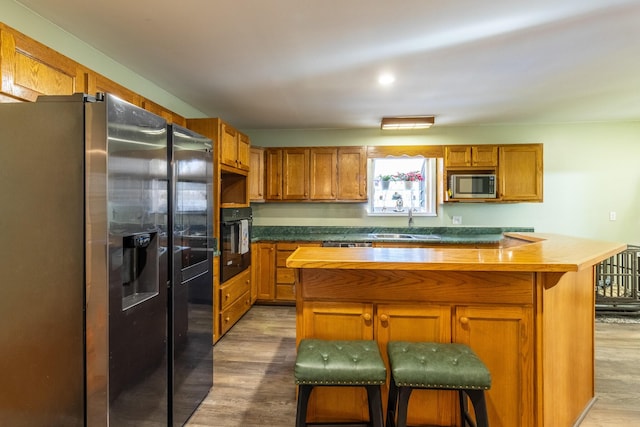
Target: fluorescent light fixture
(407,123)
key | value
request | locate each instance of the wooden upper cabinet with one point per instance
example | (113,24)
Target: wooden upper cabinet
(256,175)
(323,173)
(234,148)
(228,145)
(168,115)
(244,152)
(319,174)
(352,173)
(295,173)
(94,83)
(520,173)
(471,156)
(29,69)
(273,175)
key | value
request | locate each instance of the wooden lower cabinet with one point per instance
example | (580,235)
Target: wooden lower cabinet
(483,327)
(510,328)
(234,299)
(263,257)
(275,282)
(345,321)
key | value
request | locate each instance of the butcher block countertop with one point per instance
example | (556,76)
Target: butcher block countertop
(537,252)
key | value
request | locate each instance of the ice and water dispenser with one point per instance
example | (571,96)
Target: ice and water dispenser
(139,268)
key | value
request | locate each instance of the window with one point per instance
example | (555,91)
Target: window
(397,184)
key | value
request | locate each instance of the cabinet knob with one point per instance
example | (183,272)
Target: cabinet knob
(384,318)
(226,319)
(464,320)
(366,316)
(227,296)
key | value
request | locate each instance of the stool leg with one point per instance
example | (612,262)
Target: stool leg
(392,404)
(479,407)
(403,403)
(375,405)
(304,391)
(465,418)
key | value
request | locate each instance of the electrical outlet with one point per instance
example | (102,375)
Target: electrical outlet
(456,220)
(612,216)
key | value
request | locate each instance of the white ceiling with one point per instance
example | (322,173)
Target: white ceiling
(279,64)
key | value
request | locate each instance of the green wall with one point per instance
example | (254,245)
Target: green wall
(24,20)
(589,169)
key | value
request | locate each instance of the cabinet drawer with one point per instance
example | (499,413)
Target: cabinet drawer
(230,315)
(285,292)
(285,276)
(281,257)
(234,288)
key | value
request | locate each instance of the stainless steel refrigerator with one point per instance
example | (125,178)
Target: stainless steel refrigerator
(88,289)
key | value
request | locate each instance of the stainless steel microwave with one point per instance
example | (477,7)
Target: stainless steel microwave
(473,186)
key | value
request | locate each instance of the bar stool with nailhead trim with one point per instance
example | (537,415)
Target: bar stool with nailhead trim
(443,366)
(355,363)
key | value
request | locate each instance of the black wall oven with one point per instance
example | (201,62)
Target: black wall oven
(235,241)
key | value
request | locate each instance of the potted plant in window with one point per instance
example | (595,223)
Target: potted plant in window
(410,178)
(385,180)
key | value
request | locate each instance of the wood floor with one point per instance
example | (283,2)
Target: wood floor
(253,374)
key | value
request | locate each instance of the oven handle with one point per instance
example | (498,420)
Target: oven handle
(236,221)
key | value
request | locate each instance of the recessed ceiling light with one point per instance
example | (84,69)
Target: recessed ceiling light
(386,79)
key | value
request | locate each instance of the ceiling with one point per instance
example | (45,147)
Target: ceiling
(285,64)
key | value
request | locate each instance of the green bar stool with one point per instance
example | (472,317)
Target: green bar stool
(439,366)
(356,363)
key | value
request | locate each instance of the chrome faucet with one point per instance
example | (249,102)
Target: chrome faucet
(410,217)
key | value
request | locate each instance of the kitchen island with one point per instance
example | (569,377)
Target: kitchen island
(526,308)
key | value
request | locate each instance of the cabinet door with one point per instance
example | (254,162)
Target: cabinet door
(29,69)
(273,165)
(256,175)
(168,115)
(228,145)
(94,82)
(323,173)
(457,156)
(295,173)
(520,173)
(484,155)
(347,321)
(419,322)
(512,367)
(264,262)
(243,152)
(352,173)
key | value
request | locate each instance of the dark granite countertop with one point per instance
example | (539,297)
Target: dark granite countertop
(448,235)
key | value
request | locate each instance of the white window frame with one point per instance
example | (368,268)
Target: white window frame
(409,198)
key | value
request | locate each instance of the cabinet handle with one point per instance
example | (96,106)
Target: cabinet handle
(227,296)
(384,318)
(464,320)
(366,317)
(226,319)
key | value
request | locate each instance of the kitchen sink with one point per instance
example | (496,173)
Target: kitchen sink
(400,236)
(391,236)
